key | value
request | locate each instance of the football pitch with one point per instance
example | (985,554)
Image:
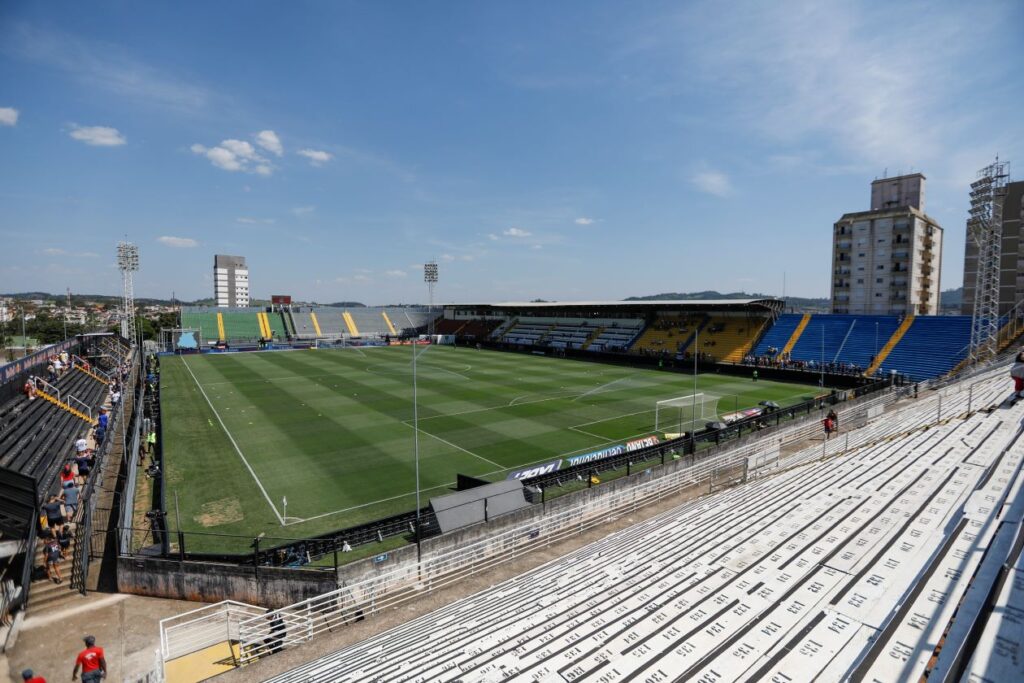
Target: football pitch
(297,443)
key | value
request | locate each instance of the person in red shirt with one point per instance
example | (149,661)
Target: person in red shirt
(29,676)
(91,661)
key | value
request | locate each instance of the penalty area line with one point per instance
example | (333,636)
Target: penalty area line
(238,450)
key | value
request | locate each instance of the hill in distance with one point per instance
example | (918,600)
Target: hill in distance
(796,302)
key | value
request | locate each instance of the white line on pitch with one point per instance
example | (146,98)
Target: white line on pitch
(603,386)
(613,417)
(445,441)
(232,439)
(596,436)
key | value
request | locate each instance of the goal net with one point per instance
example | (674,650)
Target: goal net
(684,413)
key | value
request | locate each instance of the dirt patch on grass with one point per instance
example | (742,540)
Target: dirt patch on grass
(218,512)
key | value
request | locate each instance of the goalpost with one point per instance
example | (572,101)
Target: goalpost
(684,413)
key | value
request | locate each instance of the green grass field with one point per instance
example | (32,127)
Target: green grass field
(332,431)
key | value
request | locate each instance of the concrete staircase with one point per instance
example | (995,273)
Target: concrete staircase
(65,406)
(788,348)
(890,345)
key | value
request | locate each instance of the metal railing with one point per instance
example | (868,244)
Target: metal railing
(261,634)
(201,628)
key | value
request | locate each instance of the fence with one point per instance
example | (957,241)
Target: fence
(83,551)
(201,628)
(436,567)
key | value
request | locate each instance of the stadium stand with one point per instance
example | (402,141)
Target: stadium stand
(670,334)
(729,339)
(617,335)
(874,564)
(774,340)
(202,319)
(241,325)
(932,346)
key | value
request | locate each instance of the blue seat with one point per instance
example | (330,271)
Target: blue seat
(779,333)
(933,346)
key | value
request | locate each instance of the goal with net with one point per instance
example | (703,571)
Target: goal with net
(684,413)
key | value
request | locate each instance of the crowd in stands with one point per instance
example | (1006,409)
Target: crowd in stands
(784,362)
(59,513)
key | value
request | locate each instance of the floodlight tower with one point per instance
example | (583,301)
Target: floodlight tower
(128,263)
(985,228)
(430,277)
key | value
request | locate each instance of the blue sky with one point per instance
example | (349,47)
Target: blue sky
(573,150)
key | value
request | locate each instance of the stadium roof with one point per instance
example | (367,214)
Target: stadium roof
(694,303)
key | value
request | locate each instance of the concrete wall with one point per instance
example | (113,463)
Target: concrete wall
(208,582)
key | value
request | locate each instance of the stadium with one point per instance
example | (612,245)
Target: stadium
(525,343)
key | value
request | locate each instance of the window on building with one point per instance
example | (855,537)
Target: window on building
(881,267)
(878,280)
(860,281)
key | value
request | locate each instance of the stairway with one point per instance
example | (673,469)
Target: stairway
(91,374)
(350,323)
(391,327)
(590,340)
(74,411)
(890,345)
(788,348)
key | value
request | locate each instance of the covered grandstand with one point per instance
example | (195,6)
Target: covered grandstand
(730,331)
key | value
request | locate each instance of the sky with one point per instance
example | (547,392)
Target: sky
(569,150)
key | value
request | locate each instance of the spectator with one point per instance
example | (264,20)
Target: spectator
(30,391)
(1017,373)
(51,372)
(54,512)
(755,375)
(67,476)
(115,396)
(52,556)
(835,419)
(274,642)
(83,461)
(103,420)
(827,424)
(91,661)
(81,446)
(64,538)
(29,676)
(70,496)
(150,442)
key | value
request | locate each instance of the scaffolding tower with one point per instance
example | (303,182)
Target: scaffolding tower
(985,228)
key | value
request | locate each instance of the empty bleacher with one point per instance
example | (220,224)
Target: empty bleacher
(616,335)
(669,334)
(202,319)
(932,346)
(729,338)
(850,568)
(241,325)
(778,334)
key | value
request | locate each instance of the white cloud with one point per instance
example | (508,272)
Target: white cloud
(238,155)
(447,257)
(316,157)
(303,210)
(268,140)
(54,251)
(8,116)
(98,136)
(396,273)
(246,220)
(357,279)
(583,220)
(712,182)
(516,232)
(177,242)
(493,237)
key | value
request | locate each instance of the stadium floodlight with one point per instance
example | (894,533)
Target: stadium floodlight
(430,277)
(128,263)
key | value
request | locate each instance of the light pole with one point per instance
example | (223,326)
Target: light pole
(416,440)
(430,277)
(822,380)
